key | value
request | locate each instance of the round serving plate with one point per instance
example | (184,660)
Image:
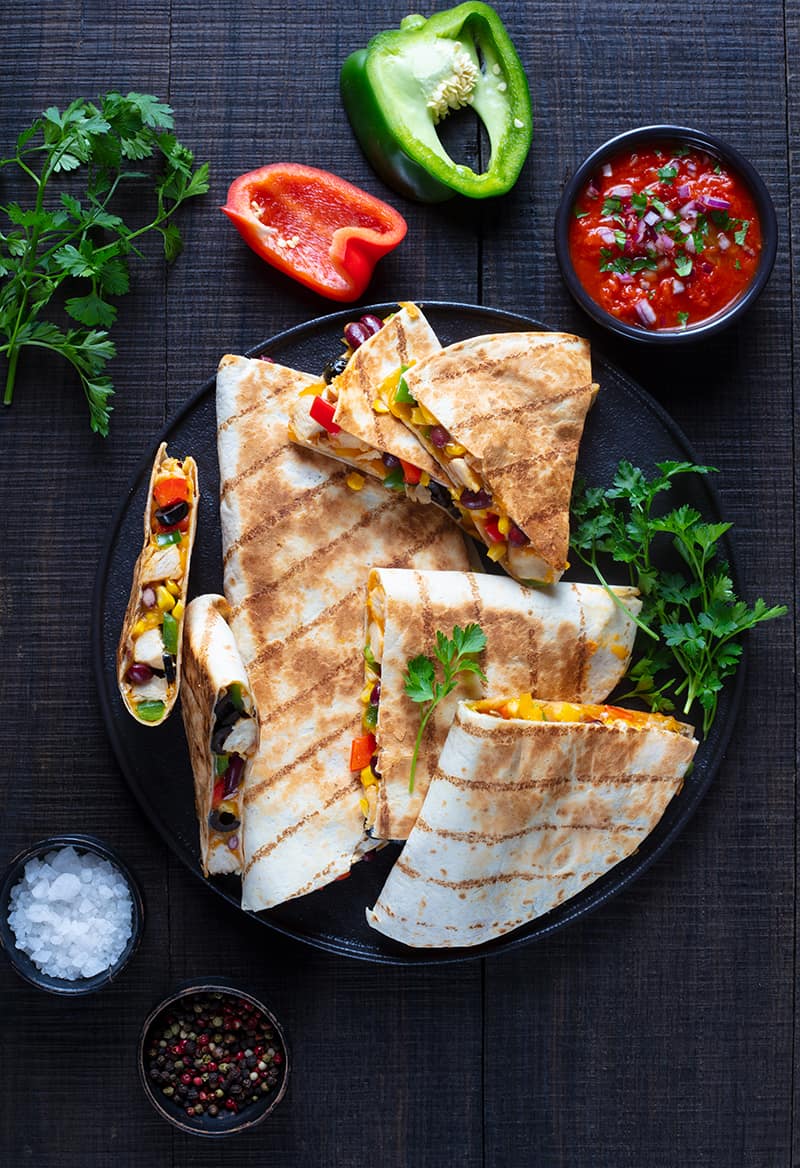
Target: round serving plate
(624,422)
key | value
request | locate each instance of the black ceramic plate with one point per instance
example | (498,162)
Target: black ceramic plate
(623,423)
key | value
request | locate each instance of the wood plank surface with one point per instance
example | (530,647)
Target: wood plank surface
(659,1031)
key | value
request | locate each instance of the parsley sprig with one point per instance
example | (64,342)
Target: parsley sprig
(692,618)
(64,238)
(456,656)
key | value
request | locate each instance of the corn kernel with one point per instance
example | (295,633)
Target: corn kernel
(504,525)
(177,611)
(364,805)
(529,709)
(425,479)
(173,587)
(454,449)
(368,777)
(165,600)
(380,407)
(497,551)
(355,481)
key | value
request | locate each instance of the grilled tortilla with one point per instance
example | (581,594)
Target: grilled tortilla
(366,429)
(523,814)
(297,547)
(503,415)
(150,645)
(221,726)
(569,641)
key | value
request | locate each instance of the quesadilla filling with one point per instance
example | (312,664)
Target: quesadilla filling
(363,750)
(477,510)
(321,430)
(151,650)
(234,737)
(530,709)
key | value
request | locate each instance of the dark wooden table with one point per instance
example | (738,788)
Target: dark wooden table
(659,1031)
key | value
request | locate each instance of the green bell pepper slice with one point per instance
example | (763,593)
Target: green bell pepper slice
(406,80)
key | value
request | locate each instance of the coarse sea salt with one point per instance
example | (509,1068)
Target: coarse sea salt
(71,913)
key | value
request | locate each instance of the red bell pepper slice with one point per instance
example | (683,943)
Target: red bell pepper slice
(361,752)
(173,489)
(492,530)
(322,412)
(314,226)
(411,474)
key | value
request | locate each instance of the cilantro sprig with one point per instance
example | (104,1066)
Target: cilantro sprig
(692,618)
(456,656)
(80,242)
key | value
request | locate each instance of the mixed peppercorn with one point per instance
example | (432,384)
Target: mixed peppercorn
(213,1054)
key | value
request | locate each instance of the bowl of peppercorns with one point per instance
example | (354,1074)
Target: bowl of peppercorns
(213,1060)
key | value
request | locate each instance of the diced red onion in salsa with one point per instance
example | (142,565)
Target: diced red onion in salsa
(665,237)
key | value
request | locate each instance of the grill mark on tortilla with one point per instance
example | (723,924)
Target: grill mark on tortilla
(253,791)
(224,425)
(260,464)
(341,663)
(524,727)
(582,648)
(550,784)
(265,849)
(492,837)
(280,514)
(300,630)
(504,416)
(482,881)
(365,520)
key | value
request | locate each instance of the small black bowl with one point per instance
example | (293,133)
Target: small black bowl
(227,1123)
(21,962)
(672,135)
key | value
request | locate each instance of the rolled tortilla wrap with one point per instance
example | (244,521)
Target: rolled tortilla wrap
(570,641)
(149,652)
(522,815)
(221,725)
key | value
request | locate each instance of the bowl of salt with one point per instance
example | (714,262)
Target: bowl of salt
(71,914)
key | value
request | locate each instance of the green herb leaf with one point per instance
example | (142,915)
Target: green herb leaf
(455,655)
(694,616)
(57,247)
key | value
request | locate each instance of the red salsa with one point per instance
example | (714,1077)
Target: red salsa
(665,237)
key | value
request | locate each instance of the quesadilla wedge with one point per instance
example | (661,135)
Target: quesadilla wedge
(530,803)
(221,726)
(149,649)
(503,416)
(348,418)
(297,546)
(569,641)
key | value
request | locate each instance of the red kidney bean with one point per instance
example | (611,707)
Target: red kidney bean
(233,775)
(356,333)
(439,436)
(517,537)
(139,673)
(372,322)
(475,500)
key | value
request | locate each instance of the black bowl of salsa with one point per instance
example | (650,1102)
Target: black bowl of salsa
(665,234)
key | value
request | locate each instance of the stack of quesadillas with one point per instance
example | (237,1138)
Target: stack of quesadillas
(530,803)
(570,641)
